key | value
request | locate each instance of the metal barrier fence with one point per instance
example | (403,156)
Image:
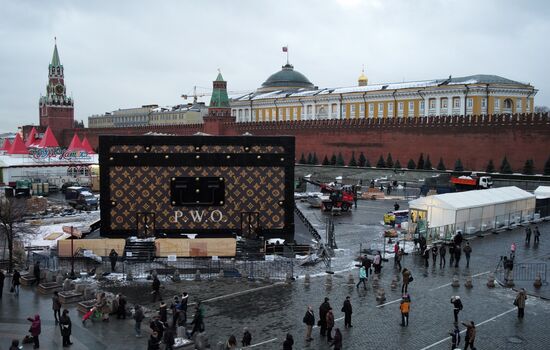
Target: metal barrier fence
(186,267)
(523,272)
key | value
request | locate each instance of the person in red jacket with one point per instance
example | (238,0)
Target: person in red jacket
(35,330)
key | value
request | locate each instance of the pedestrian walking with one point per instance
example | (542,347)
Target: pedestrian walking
(337,341)
(65,326)
(435,250)
(36,273)
(2,278)
(513,251)
(121,308)
(442,252)
(183,304)
(347,310)
(113,256)
(455,337)
(470,335)
(175,311)
(407,278)
(163,312)
(138,317)
(362,277)
(366,263)
(537,235)
(400,254)
(405,307)
(56,306)
(396,206)
(395,253)
(102,306)
(457,306)
(457,239)
(458,252)
(467,252)
(154,343)
(451,254)
(528,235)
(35,330)
(323,310)
(330,324)
(156,288)
(377,263)
(426,256)
(508,265)
(520,302)
(198,325)
(16,282)
(289,342)
(247,337)
(309,320)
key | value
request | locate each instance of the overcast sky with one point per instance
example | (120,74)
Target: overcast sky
(120,54)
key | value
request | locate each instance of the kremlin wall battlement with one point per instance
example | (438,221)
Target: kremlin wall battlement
(473,139)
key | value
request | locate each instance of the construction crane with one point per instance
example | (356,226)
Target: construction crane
(195,95)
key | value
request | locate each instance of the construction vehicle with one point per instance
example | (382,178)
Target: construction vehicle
(335,195)
(81,198)
(447,182)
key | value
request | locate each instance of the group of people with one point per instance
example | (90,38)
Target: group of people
(326,322)
(529,232)
(455,249)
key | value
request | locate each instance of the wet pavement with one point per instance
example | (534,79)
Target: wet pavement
(270,310)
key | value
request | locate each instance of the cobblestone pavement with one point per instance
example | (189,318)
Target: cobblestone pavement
(272,311)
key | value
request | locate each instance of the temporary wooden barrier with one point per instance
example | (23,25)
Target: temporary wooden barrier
(195,247)
(100,247)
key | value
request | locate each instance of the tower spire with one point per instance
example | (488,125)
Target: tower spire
(56,62)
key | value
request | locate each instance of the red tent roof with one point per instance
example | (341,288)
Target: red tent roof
(7,145)
(49,139)
(18,146)
(86,146)
(75,144)
(31,138)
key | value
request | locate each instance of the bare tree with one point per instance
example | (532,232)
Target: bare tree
(541,109)
(12,211)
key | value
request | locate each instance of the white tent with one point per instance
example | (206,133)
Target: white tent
(542,192)
(473,211)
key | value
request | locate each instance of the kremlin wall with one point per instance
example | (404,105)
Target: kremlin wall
(454,132)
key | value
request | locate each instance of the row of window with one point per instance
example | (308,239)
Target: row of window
(292,112)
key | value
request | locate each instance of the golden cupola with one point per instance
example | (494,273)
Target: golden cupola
(363,80)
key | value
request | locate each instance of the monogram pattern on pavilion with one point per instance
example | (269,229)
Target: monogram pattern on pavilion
(191,149)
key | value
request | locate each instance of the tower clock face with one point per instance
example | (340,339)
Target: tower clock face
(59,89)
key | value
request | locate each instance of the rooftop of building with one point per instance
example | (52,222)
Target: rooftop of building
(419,84)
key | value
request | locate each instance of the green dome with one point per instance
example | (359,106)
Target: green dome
(286,78)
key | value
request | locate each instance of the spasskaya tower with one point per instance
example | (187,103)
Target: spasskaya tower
(56,109)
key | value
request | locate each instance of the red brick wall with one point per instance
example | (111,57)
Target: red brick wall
(474,140)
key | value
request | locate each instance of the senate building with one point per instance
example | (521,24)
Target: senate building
(289,95)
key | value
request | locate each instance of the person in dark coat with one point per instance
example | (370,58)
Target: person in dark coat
(323,310)
(2,278)
(14,345)
(458,252)
(156,288)
(470,335)
(35,330)
(36,273)
(451,254)
(154,343)
(168,339)
(442,252)
(457,307)
(157,327)
(347,310)
(56,306)
(247,337)
(519,302)
(121,309)
(337,341)
(467,252)
(66,328)
(457,239)
(309,320)
(455,337)
(113,256)
(16,281)
(175,311)
(426,256)
(197,322)
(138,317)
(435,250)
(528,235)
(330,324)
(537,235)
(289,342)
(163,312)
